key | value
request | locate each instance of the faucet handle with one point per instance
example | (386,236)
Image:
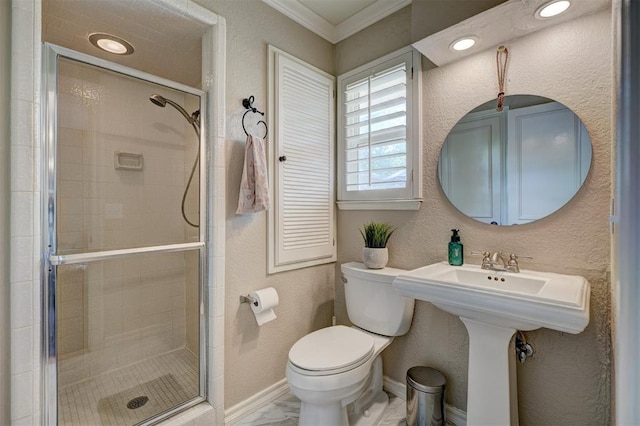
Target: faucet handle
(484,254)
(512,264)
(486,260)
(515,257)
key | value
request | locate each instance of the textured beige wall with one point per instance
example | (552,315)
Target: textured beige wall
(255,357)
(385,36)
(5,83)
(568,380)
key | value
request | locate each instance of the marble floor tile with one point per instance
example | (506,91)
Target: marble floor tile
(396,413)
(285,411)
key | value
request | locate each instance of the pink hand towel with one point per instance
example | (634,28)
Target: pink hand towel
(254,187)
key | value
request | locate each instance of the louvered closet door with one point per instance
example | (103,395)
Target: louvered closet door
(305,180)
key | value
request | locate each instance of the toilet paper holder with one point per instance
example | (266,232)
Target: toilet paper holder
(248,299)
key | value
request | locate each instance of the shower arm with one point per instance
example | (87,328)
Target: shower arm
(194,119)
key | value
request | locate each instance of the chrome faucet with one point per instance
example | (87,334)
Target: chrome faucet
(496,262)
(493,262)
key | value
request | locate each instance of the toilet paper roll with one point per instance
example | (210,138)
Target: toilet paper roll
(264,302)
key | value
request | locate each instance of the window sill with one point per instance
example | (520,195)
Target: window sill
(380,205)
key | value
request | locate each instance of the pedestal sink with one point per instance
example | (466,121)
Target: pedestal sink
(493,305)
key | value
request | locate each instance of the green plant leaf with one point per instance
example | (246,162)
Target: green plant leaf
(376,235)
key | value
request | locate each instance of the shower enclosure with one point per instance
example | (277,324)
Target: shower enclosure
(124,227)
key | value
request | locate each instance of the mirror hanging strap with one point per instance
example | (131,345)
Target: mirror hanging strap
(502,57)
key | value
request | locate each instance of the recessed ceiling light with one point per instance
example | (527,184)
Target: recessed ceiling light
(553,8)
(463,43)
(110,43)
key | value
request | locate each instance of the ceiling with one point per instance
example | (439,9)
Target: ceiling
(166,43)
(335,20)
(336,11)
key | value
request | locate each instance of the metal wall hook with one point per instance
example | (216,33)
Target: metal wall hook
(266,129)
(248,104)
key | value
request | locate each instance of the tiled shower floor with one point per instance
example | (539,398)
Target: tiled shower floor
(167,380)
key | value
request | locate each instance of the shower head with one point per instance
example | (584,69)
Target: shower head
(194,118)
(158,100)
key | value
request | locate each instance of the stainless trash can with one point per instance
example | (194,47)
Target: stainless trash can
(425,397)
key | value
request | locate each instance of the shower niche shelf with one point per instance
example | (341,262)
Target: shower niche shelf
(128,161)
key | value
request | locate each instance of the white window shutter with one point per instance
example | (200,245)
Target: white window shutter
(379,143)
(376,130)
(303,229)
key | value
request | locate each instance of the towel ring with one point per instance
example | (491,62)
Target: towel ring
(248,104)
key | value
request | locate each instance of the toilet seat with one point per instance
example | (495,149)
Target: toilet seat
(331,350)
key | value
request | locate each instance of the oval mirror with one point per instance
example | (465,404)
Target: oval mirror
(515,166)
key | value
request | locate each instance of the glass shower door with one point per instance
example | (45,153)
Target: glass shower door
(127,246)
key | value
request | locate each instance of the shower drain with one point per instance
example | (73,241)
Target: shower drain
(137,402)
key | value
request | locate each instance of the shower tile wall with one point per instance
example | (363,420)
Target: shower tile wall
(119,312)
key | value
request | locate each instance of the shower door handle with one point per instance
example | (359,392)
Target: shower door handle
(70,259)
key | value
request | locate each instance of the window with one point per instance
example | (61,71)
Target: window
(302,220)
(379,143)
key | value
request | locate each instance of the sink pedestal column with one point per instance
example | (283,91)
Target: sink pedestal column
(491,392)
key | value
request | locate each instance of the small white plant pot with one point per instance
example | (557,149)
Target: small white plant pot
(375,258)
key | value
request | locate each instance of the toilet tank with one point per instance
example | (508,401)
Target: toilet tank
(372,303)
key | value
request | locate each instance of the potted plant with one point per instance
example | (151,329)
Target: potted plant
(376,235)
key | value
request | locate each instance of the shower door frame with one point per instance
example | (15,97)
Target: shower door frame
(50,260)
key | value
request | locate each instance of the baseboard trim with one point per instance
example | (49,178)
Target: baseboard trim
(455,416)
(256,402)
(394,387)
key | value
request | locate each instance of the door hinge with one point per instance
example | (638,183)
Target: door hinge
(411,73)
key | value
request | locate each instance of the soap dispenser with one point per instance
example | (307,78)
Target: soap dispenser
(456,256)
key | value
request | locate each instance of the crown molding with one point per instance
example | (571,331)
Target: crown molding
(336,33)
(367,16)
(304,16)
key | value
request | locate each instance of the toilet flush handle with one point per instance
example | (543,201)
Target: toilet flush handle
(344,279)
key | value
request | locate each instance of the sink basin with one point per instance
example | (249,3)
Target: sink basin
(498,281)
(524,301)
(493,305)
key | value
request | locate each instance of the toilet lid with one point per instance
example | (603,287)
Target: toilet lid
(331,348)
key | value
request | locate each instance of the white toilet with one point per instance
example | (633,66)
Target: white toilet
(336,372)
